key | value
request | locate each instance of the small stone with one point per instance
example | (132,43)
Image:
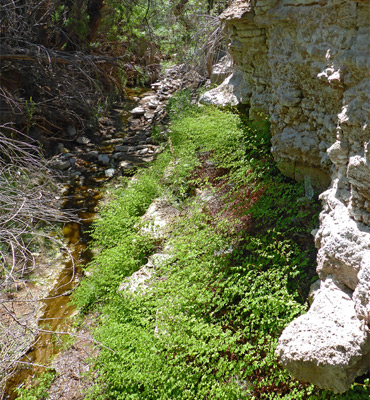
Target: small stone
(61,165)
(117,156)
(121,148)
(143,151)
(137,111)
(92,155)
(76,174)
(109,172)
(154,103)
(83,140)
(156,85)
(71,130)
(65,156)
(103,158)
(126,165)
(149,115)
(112,141)
(61,148)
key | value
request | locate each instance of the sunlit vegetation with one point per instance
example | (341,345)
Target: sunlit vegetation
(239,271)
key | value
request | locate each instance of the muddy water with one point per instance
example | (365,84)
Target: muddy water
(83,196)
(57,308)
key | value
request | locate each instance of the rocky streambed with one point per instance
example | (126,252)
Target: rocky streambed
(124,139)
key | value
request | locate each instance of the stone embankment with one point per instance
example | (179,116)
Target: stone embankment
(306,64)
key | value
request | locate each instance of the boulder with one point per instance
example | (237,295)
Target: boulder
(222,70)
(329,346)
(231,92)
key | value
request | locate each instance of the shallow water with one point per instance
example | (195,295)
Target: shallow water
(82,197)
(57,307)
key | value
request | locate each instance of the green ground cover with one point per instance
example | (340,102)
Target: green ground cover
(239,270)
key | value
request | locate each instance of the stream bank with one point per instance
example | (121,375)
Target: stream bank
(86,163)
(196,313)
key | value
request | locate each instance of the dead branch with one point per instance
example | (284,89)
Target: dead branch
(42,86)
(28,211)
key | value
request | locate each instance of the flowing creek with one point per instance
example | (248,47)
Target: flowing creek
(82,196)
(57,308)
(123,142)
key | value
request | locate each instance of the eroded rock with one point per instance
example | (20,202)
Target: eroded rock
(158,218)
(222,69)
(232,92)
(328,346)
(140,280)
(305,64)
(158,224)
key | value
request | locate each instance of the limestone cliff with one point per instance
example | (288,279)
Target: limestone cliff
(306,64)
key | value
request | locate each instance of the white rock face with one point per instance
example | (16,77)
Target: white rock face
(306,64)
(232,91)
(157,221)
(158,218)
(140,281)
(222,69)
(327,345)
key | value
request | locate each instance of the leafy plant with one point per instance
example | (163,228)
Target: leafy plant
(238,271)
(38,388)
(30,108)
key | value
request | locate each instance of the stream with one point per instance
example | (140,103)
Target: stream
(57,308)
(122,143)
(87,180)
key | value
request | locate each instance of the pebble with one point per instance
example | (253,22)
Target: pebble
(137,111)
(91,155)
(103,158)
(119,156)
(126,165)
(121,148)
(64,156)
(109,172)
(112,141)
(61,165)
(75,173)
(83,140)
(71,130)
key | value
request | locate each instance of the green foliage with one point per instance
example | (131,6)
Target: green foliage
(30,110)
(148,31)
(38,388)
(209,324)
(122,249)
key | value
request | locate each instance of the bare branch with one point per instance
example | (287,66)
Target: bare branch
(28,211)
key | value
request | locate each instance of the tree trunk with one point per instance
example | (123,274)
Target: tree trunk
(94,8)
